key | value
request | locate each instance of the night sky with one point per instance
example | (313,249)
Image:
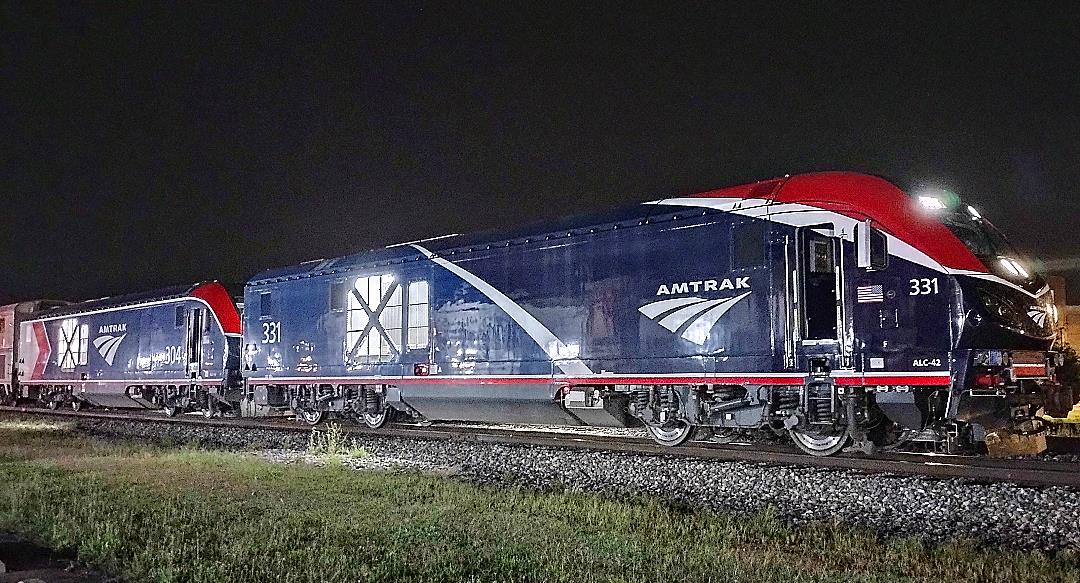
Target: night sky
(151,145)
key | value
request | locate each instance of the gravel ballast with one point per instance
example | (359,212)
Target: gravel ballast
(931,509)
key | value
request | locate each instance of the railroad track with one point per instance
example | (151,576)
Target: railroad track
(980,469)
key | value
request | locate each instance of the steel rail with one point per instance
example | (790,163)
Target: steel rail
(978,469)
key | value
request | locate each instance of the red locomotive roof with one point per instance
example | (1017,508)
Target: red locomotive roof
(217,297)
(862,196)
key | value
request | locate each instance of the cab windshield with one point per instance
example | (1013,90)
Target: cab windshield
(981,237)
(988,244)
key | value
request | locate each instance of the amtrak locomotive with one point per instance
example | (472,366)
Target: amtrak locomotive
(176,349)
(832,307)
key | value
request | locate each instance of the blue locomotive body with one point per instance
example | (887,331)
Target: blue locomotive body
(830,306)
(176,349)
(810,303)
(516,318)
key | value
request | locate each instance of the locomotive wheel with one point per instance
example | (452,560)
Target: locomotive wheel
(311,416)
(671,435)
(52,405)
(169,410)
(376,420)
(819,443)
(76,405)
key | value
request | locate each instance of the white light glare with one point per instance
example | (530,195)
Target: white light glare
(1009,267)
(931,202)
(974,213)
(1014,268)
(1021,269)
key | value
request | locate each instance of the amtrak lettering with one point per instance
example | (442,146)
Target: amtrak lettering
(112,329)
(703,285)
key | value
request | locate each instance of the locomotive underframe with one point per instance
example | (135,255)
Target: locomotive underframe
(871,416)
(208,399)
(818,408)
(372,404)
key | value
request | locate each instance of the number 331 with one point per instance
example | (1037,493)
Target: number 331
(271,332)
(923,287)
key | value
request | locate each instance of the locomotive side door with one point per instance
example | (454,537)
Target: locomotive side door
(194,340)
(819,298)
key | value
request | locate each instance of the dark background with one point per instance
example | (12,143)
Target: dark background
(150,145)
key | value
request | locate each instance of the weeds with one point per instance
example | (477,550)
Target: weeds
(332,442)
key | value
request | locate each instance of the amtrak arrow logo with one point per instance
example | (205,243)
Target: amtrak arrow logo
(693,316)
(107,346)
(1038,315)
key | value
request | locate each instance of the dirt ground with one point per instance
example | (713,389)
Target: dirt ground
(29,563)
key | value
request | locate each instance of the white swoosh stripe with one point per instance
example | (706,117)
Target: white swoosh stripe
(656,308)
(999,280)
(555,349)
(799,215)
(676,319)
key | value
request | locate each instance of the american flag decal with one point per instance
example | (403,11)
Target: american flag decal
(868,294)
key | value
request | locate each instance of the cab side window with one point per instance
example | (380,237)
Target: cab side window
(339,295)
(748,244)
(266,305)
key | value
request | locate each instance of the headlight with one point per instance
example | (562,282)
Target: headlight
(1014,268)
(1016,312)
(999,306)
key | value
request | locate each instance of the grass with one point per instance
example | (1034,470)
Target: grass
(151,514)
(331,442)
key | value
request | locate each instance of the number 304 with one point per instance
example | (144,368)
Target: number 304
(271,332)
(923,286)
